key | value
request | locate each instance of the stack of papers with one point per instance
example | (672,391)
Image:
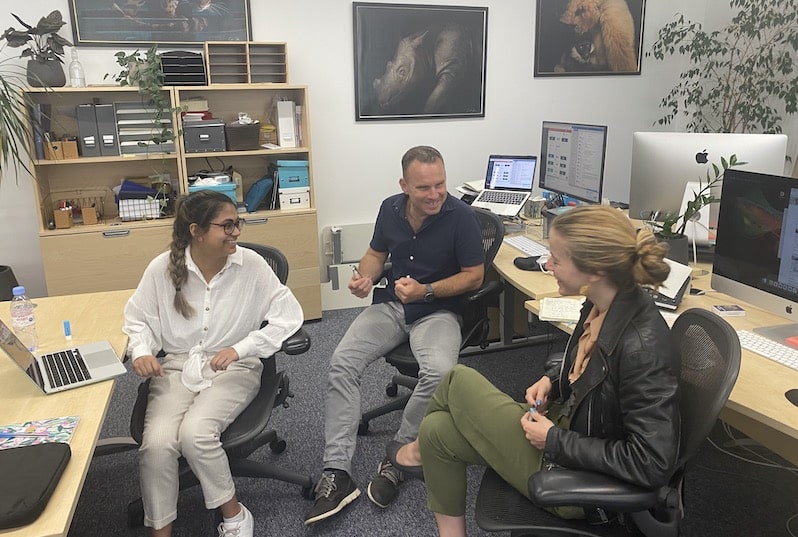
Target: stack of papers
(560,309)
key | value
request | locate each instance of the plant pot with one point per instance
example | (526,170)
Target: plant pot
(678,248)
(46,74)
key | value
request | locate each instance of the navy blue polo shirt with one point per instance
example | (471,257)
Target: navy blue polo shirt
(445,242)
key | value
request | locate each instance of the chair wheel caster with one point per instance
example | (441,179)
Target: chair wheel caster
(391,390)
(277,446)
(363,428)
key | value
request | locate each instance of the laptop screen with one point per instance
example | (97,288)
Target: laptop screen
(510,173)
(17,351)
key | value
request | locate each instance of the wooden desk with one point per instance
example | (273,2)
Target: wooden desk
(93,316)
(757,405)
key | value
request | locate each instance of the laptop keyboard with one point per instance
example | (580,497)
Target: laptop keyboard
(497,196)
(65,367)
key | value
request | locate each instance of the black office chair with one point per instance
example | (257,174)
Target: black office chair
(7,282)
(710,355)
(248,432)
(475,328)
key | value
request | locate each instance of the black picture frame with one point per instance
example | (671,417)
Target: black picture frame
(571,41)
(145,22)
(455,88)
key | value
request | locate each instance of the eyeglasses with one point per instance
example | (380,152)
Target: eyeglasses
(230,225)
(542,260)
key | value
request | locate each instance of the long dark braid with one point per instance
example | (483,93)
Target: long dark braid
(197,208)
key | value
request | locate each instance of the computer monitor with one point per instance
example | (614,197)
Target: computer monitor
(756,249)
(664,162)
(573,160)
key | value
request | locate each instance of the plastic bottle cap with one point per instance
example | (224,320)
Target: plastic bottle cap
(18,290)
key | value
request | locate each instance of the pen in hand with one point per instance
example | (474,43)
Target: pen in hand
(356,271)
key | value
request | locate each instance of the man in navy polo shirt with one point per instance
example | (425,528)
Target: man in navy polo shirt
(435,246)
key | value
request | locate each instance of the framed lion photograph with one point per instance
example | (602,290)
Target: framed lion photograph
(419,61)
(588,37)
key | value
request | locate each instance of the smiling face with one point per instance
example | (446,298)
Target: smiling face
(215,242)
(570,279)
(425,184)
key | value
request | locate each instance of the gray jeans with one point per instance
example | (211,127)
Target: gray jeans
(435,341)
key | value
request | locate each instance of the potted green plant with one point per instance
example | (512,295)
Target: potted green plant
(14,126)
(740,78)
(673,228)
(44,49)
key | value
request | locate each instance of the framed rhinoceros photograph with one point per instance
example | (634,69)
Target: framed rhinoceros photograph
(417,61)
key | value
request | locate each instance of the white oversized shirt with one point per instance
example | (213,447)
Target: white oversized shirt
(228,310)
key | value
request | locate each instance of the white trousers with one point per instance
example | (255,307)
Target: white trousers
(181,422)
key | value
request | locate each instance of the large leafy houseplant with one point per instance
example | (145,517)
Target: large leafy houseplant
(675,225)
(42,41)
(14,146)
(740,78)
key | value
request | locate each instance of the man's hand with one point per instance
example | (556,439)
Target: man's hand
(409,290)
(147,366)
(223,358)
(359,285)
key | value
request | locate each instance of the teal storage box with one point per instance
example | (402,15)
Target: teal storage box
(293,173)
(228,189)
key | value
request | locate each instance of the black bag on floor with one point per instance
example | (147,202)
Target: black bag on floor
(29,474)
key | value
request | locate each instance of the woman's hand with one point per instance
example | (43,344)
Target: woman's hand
(147,366)
(537,395)
(536,427)
(223,358)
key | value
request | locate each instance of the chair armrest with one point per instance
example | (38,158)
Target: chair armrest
(561,486)
(488,290)
(297,343)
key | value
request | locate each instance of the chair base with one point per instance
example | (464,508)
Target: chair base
(398,404)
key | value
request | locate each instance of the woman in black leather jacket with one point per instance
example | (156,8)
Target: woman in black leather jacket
(608,404)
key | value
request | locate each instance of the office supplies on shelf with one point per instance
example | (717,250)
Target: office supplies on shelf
(525,244)
(66,368)
(286,124)
(560,309)
(29,433)
(772,350)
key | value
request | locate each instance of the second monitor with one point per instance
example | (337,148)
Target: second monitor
(573,160)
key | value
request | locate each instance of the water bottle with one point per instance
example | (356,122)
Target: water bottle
(23,319)
(77,78)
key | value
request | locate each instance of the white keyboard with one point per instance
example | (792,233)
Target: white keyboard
(783,354)
(526,245)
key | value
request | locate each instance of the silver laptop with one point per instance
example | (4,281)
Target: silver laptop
(508,184)
(65,369)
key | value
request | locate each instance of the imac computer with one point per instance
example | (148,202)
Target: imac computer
(663,163)
(756,249)
(573,160)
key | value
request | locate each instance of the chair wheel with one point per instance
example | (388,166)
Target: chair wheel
(135,515)
(277,446)
(307,493)
(363,428)
(391,390)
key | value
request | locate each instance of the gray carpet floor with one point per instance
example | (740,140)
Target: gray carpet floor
(726,495)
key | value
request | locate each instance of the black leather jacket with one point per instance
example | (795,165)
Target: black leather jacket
(625,414)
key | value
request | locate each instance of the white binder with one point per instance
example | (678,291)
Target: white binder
(286,124)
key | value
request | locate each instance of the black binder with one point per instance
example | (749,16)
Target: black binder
(88,138)
(106,129)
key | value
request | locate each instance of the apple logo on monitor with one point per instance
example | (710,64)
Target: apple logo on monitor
(789,309)
(702,157)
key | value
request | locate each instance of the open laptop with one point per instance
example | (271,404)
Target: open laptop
(508,184)
(64,369)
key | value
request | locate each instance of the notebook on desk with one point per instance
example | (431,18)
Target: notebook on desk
(508,184)
(66,368)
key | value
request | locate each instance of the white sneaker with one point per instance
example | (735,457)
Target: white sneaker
(245,528)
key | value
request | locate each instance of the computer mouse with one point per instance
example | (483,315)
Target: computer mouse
(527,263)
(792,396)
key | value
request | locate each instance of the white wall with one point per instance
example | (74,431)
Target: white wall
(356,164)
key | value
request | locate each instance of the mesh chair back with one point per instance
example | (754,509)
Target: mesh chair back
(273,256)
(492,229)
(710,355)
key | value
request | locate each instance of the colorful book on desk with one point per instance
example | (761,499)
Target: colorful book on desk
(560,309)
(29,433)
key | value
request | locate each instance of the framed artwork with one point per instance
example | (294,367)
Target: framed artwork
(165,22)
(419,61)
(572,38)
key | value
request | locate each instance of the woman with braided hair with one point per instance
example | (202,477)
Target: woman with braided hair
(202,303)
(608,404)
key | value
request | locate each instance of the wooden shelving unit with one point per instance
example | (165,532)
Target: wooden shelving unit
(247,62)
